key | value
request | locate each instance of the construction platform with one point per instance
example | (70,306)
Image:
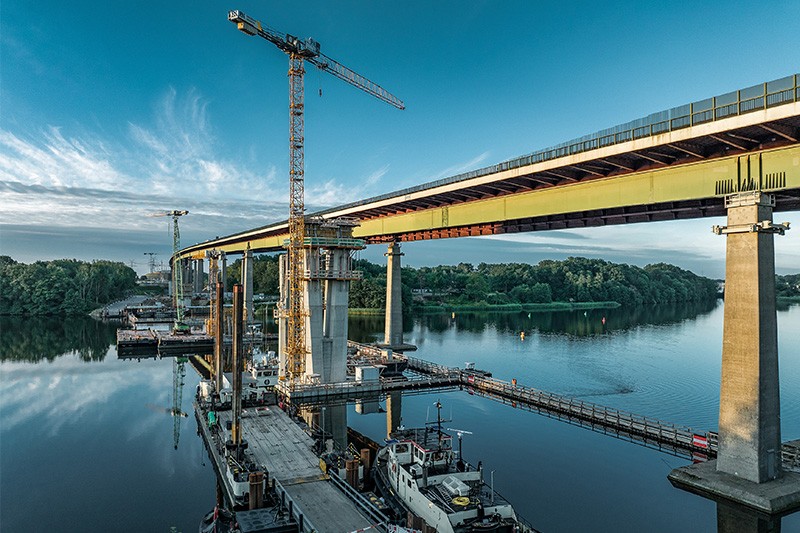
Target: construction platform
(284,450)
(135,343)
(132,343)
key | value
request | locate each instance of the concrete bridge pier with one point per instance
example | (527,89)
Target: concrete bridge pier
(393,331)
(247,282)
(198,276)
(748,464)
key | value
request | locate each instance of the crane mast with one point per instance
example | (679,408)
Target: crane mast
(300,51)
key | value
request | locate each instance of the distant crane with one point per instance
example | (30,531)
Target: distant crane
(177,271)
(299,51)
(152,261)
(178,368)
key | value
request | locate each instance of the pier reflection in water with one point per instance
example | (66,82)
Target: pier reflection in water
(74,415)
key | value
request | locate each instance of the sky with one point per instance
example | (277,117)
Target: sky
(110,112)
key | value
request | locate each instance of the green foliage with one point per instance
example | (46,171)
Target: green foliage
(788,287)
(574,280)
(61,287)
(265,274)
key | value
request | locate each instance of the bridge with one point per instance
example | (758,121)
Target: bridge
(736,154)
(676,164)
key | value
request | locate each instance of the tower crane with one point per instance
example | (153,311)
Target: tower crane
(178,368)
(299,51)
(177,272)
(152,261)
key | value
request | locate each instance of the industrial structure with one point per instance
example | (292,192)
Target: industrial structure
(295,351)
(735,154)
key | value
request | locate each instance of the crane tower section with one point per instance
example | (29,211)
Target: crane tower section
(299,51)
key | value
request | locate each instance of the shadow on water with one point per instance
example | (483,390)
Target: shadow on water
(578,322)
(36,339)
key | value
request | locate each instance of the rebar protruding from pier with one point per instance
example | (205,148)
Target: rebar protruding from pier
(219,332)
(236,402)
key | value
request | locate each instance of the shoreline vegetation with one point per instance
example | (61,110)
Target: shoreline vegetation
(68,287)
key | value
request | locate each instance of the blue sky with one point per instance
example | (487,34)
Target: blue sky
(111,111)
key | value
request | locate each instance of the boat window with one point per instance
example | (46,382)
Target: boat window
(401,448)
(409,483)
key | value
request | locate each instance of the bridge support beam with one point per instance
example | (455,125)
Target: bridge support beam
(748,465)
(247,283)
(393,330)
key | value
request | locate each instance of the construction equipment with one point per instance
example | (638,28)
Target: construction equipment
(299,51)
(152,261)
(178,363)
(177,271)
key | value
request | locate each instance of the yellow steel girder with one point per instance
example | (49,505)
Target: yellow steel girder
(688,182)
(777,169)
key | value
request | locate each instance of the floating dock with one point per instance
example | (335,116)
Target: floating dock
(133,343)
(276,442)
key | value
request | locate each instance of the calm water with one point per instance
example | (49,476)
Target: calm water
(86,444)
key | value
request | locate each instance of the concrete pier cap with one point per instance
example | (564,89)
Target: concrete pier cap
(748,467)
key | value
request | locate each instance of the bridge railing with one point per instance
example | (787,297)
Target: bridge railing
(762,96)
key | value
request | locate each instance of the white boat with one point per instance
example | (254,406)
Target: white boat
(418,471)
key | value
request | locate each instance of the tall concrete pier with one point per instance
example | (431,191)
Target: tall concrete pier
(393,332)
(198,276)
(749,413)
(327,266)
(748,465)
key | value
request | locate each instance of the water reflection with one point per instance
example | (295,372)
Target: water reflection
(44,339)
(578,323)
(732,518)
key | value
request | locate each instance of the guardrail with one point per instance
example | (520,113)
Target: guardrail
(762,96)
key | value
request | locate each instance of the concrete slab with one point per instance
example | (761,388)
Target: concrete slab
(774,497)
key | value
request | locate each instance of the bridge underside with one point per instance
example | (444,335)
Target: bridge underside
(671,176)
(677,210)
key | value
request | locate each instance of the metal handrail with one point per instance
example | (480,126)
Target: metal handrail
(762,96)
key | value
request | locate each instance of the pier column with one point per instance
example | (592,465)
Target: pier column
(748,462)
(749,413)
(394,297)
(247,282)
(198,276)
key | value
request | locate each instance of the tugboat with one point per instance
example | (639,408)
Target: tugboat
(417,471)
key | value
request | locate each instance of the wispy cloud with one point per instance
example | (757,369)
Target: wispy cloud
(49,176)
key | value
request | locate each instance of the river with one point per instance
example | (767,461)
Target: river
(87,441)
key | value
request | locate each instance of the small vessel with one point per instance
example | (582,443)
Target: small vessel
(418,471)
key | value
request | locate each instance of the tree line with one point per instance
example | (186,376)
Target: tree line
(575,279)
(61,287)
